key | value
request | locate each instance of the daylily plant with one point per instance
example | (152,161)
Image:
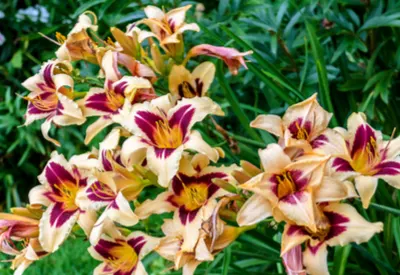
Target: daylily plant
(145,86)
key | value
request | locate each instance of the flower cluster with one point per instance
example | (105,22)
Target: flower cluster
(151,143)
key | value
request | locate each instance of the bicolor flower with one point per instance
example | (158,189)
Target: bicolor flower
(162,132)
(51,97)
(60,184)
(285,189)
(303,126)
(122,256)
(167,27)
(367,158)
(192,195)
(337,224)
(78,45)
(182,83)
(213,237)
(232,57)
(107,102)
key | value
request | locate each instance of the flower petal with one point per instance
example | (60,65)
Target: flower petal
(332,189)
(254,210)
(273,159)
(196,142)
(293,235)
(133,151)
(96,127)
(348,226)
(157,206)
(366,187)
(164,163)
(269,123)
(316,258)
(55,226)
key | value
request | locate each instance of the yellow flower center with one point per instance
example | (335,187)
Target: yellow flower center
(48,104)
(167,137)
(115,100)
(186,90)
(193,196)
(68,191)
(301,132)
(364,160)
(60,38)
(123,258)
(286,185)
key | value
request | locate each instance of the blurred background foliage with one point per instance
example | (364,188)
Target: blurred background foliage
(346,50)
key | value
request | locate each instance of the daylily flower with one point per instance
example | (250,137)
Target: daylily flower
(61,183)
(128,41)
(337,224)
(78,45)
(303,126)
(108,102)
(123,255)
(285,189)
(167,27)
(162,132)
(182,83)
(32,252)
(213,237)
(17,226)
(367,158)
(232,57)
(51,97)
(192,195)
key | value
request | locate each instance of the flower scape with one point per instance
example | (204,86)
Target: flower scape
(307,179)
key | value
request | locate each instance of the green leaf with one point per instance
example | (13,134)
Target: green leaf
(231,97)
(86,6)
(16,60)
(318,55)
(227,261)
(340,259)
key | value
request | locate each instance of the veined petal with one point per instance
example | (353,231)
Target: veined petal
(96,103)
(332,189)
(96,127)
(330,142)
(311,168)
(348,226)
(299,208)
(254,210)
(154,12)
(366,187)
(293,261)
(142,243)
(196,142)
(157,206)
(293,235)
(176,17)
(86,221)
(133,151)
(315,258)
(273,159)
(121,212)
(164,163)
(269,123)
(203,76)
(55,226)
(37,196)
(189,111)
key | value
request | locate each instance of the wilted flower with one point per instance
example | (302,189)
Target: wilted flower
(78,44)
(232,57)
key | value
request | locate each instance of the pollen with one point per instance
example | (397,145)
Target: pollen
(166,136)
